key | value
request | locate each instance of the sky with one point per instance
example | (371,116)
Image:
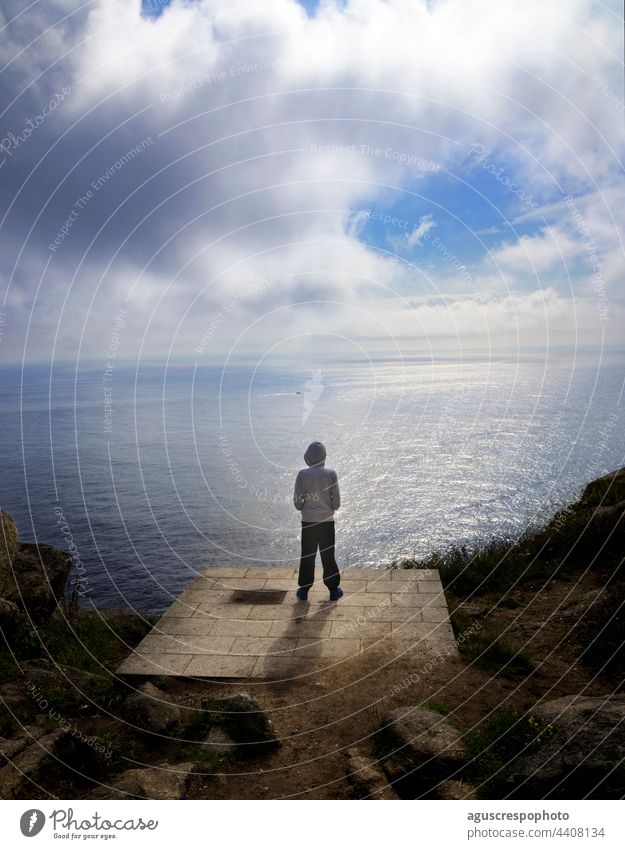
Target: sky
(205,180)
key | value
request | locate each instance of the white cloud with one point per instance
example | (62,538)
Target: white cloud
(272,130)
(426,223)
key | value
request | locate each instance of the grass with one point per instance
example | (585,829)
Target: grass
(497,657)
(494,746)
(487,651)
(600,632)
(437,707)
(87,640)
(497,568)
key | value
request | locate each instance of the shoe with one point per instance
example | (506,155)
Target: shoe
(302,594)
(336,594)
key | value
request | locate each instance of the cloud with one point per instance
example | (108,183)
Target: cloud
(426,223)
(271,133)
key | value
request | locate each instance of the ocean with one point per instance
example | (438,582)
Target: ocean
(153,472)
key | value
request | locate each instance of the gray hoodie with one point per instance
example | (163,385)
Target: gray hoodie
(316,488)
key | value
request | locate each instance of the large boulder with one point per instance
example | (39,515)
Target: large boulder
(583,739)
(245,721)
(165,781)
(40,574)
(9,748)
(423,749)
(9,545)
(27,775)
(150,709)
(367,778)
(605,491)
(73,687)
(11,617)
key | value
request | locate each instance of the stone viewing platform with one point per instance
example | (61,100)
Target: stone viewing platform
(248,623)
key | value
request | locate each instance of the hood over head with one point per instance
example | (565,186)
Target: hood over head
(315,454)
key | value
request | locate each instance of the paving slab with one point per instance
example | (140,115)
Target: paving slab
(245,623)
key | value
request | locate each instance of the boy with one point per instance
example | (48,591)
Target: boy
(317,496)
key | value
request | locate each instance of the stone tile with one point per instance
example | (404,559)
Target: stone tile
(359,574)
(241,583)
(180,610)
(206,596)
(223,571)
(241,627)
(442,632)
(156,644)
(279,646)
(364,629)
(365,599)
(157,664)
(381,586)
(433,600)
(184,627)
(403,575)
(213,637)
(279,584)
(399,614)
(303,628)
(220,666)
(277,612)
(327,648)
(193,644)
(434,614)
(277,572)
(349,586)
(418,600)
(411,630)
(223,611)
(430,587)
(334,611)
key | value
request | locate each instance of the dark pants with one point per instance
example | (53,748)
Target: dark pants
(318,535)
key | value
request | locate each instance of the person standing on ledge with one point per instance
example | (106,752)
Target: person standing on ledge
(317,496)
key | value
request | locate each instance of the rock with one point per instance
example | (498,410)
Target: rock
(28,774)
(87,755)
(471,608)
(14,696)
(367,778)
(9,545)
(605,491)
(246,721)
(582,740)
(166,781)
(11,617)
(453,790)
(151,709)
(10,748)
(218,740)
(427,748)
(123,788)
(77,686)
(40,574)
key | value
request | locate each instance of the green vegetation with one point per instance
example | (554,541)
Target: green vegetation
(499,567)
(600,631)
(89,640)
(485,650)
(497,657)
(437,707)
(496,743)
